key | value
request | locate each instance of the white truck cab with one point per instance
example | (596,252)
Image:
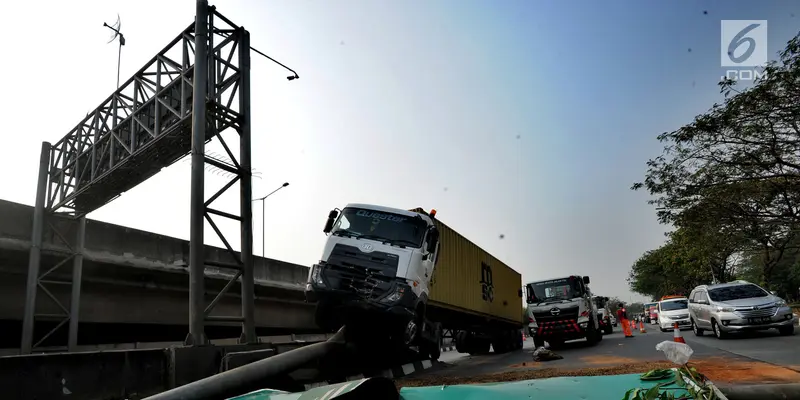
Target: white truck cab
(376,266)
(562,309)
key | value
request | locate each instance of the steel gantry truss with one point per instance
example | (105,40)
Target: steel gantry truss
(191,92)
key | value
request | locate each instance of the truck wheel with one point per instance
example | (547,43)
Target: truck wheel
(538,342)
(435,345)
(325,317)
(608,329)
(483,346)
(478,346)
(591,335)
(411,332)
(500,342)
(434,351)
(460,340)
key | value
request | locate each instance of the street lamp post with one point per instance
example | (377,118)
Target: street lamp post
(263,216)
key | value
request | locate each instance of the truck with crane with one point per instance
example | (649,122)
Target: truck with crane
(405,276)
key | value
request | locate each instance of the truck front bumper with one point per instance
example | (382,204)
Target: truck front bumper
(566,329)
(390,297)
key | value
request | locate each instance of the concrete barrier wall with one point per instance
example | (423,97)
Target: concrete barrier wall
(125,374)
(84,376)
(126,246)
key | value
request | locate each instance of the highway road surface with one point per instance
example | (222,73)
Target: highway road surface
(762,357)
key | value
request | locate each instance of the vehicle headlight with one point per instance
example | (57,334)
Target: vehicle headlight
(664,318)
(780,303)
(394,296)
(315,275)
(724,309)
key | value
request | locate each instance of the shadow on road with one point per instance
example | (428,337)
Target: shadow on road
(771,333)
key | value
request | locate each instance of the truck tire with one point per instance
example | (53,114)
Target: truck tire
(434,352)
(501,343)
(434,347)
(592,334)
(538,342)
(608,329)
(325,318)
(478,345)
(460,339)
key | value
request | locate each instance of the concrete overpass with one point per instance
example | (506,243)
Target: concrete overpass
(135,285)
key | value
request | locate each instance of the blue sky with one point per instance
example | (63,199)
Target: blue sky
(529,119)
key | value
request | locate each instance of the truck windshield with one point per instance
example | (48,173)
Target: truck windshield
(599,302)
(396,229)
(556,289)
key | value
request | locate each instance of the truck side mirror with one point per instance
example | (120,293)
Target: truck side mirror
(329,223)
(433,238)
(585,280)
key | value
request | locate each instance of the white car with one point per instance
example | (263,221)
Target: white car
(672,311)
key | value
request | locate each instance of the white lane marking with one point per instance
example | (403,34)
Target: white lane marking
(342,389)
(327,394)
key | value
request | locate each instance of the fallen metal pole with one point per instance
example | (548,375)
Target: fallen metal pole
(246,377)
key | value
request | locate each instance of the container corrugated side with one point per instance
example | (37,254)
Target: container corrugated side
(468,278)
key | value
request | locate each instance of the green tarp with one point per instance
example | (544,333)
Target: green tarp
(611,387)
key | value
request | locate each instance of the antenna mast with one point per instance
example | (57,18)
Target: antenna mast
(116,28)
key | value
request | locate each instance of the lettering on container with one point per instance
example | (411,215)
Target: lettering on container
(487,287)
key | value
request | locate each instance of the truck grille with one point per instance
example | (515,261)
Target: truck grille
(767,310)
(567,313)
(368,274)
(556,327)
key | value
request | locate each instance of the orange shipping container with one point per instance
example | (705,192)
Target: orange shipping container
(469,279)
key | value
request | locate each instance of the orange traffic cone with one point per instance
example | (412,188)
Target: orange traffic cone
(641,327)
(676,337)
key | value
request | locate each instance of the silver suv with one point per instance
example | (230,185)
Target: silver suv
(737,306)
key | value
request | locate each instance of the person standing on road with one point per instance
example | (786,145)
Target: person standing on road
(622,316)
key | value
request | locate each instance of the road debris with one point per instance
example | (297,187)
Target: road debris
(543,354)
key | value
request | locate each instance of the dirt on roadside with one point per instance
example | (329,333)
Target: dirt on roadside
(719,370)
(724,370)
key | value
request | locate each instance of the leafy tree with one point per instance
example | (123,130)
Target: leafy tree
(634,308)
(613,304)
(674,268)
(730,182)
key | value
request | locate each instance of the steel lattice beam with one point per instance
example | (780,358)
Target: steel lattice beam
(146,125)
